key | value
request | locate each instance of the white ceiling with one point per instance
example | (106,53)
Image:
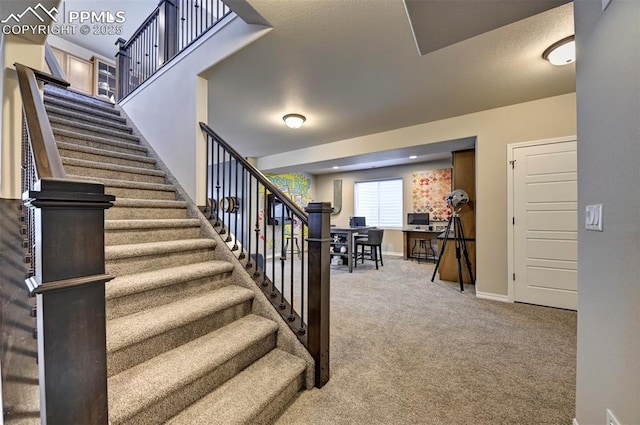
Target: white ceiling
(353,68)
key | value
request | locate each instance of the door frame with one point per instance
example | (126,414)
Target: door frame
(510,243)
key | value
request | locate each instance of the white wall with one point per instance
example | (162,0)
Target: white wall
(169,106)
(495,128)
(608,95)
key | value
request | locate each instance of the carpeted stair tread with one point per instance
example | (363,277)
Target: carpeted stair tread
(112,114)
(104,142)
(117,252)
(83,163)
(75,97)
(87,118)
(135,389)
(134,328)
(242,399)
(80,127)
(127,183)
(140,282)
(148,203)
(150,224)
(105,152)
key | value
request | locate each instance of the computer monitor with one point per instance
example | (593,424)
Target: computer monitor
(357,221)
(418,219)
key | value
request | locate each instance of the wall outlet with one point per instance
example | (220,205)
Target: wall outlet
(593,217)
(611,419)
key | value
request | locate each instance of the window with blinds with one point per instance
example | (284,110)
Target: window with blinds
(380,201)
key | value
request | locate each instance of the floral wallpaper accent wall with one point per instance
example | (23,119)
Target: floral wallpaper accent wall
(430,189)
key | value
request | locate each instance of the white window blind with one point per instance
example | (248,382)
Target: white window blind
(380,201)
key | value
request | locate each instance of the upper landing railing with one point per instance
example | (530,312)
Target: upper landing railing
(168,30)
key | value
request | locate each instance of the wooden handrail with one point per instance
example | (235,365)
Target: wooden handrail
(54,66)
(257,174)
(45,153)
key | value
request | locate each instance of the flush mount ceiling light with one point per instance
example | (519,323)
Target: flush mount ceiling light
(294,120)
(561,52)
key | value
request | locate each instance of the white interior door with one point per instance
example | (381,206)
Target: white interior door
(545,224)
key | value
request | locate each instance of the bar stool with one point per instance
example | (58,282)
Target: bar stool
(296,247)
(421,253)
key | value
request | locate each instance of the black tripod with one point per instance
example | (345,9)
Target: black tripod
(461,245)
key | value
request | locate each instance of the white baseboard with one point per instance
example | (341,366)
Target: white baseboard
(492,297)
(575,421)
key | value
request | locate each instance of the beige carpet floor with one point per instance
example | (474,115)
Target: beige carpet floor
(408,351)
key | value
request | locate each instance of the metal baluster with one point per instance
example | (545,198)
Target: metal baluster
(292,220)
(237,211)
(282,257)
(265,282)
(223,164)
(228,239)
(301,330)
(218,199)
(249,264)
(206,179)
(256,273)
(244,222)
(272,213)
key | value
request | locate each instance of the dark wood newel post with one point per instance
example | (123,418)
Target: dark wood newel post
(69,284)
(168,20)
(319,285)
(123,66)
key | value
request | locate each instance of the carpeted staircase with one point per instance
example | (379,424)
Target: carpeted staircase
(184,341)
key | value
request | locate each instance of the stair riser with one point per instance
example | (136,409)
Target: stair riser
(114,122)
(105,159)
(132,355)
(125,192)
(130,236)
(96,144)
(192,391)
(110,174)
(95,131)
(112,114)
(83,101)
(124,266)
(123,213)
(277,406)
(117,307)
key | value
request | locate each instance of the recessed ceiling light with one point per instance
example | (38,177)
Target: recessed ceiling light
(562,52)
(294,120)
(413,156)
(335,167)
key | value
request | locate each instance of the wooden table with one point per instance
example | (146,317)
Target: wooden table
(345,237)
(409,235)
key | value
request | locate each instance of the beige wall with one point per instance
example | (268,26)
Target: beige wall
(494,129)
(392,242)
(15,49)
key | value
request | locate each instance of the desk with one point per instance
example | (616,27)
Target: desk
(344,236)
(409,235)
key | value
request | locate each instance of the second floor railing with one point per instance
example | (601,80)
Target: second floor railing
(168,30)
(284,249)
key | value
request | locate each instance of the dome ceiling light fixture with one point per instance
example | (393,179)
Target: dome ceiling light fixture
(562,52)
(294,120)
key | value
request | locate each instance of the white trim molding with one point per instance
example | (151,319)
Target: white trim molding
(493,297)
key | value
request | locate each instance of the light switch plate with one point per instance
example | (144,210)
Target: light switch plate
(593,217)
